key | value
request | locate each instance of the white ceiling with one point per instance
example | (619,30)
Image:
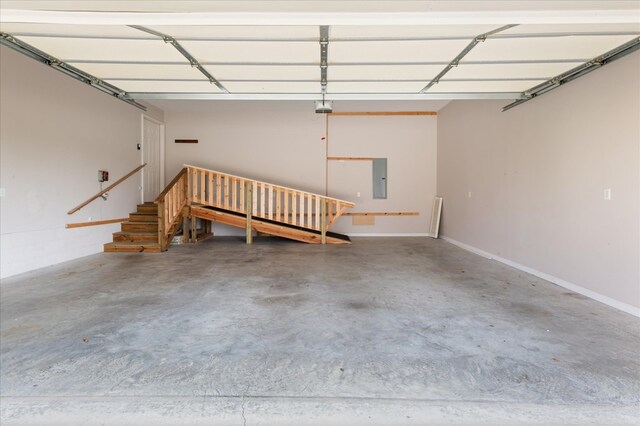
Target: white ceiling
(381,61)
(315,5)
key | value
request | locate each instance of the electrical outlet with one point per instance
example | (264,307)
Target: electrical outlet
(358,194)
(3,192)
(607,194)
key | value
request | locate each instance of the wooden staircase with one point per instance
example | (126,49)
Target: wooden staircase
(208,195)
(139,233)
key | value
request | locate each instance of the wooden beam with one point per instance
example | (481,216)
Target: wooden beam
(371,113)
(94,223)
(350,158)
(382,214)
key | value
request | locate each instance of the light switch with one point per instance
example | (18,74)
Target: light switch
(607,194)
(469,194)
(3,192)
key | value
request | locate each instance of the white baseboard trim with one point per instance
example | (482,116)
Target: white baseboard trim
(422,234)
(555,280)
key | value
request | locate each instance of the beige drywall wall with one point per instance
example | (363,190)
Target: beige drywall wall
(282,142)
(55,134)
(409,144)
(537,173)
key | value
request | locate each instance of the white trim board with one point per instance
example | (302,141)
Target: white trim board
(555,280)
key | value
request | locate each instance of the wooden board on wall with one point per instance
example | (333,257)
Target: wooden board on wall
(363,220)
(356,113)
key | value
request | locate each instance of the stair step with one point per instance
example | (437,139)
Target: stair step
(142,217)
(135,237)
(127,247)
(139,226)
(148,208)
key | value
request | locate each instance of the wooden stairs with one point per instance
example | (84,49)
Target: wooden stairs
(208,195)
(139,233)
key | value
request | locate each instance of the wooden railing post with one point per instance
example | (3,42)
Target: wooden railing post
(249,208)
(161,230)
(323,221)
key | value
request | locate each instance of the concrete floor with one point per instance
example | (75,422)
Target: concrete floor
(386,331)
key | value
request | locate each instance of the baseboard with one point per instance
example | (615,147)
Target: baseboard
(422,234)
(555,280)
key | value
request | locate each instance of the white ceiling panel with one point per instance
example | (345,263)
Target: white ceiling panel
(166,86)
(214,51)
(232,31)
(148,71)
(469,31)
(375,87)
(100,49)
(382,72)
(384,6)
(540,70)
(571,28)
(272,87)
(547,48)
(265,72)
(482,86)
(74,30)
(395,51)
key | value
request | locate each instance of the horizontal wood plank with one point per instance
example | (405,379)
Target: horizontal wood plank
(350,158)
(95,223)
(381,214)
(373,113)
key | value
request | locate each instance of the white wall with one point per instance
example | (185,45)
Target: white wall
(537,173)
(55,134)
(282,142)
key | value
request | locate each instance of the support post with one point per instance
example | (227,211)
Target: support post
(185,225)
(161,232)
(323,220)
(194,229)
(249,208)
(186,210)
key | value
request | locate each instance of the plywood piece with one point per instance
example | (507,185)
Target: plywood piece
(363,220)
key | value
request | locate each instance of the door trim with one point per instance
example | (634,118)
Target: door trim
(162,148)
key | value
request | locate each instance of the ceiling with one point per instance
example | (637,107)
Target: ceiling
(300,50)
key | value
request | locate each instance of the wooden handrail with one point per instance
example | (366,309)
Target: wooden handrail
(95,223)
(346,203)
(107,189)
(170,185)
